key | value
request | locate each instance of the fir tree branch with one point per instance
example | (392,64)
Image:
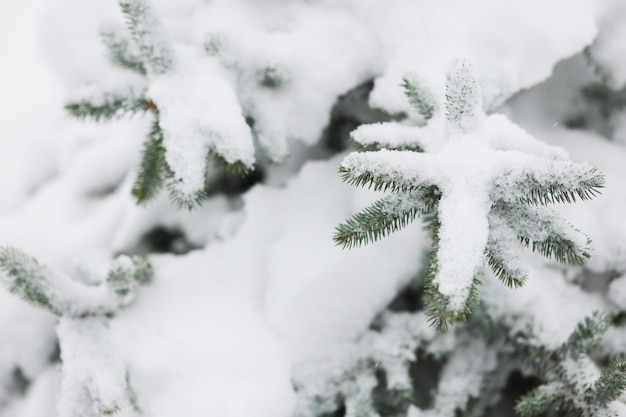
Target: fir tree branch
(611,384)
(539,400)
(153,168)
(388,173)
(149,36)
(436,305)
(545,232)
(382,218)
(126,274)
(420,98)
(586,337)
(464,103)
(184,200)
(107,105)
(377,136)
(505,265)
(231,168)
(29,280)
(121,51)
(553,182)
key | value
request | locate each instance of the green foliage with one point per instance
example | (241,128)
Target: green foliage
(182,200)
(463,96)
(148,53)
(127,273)
(63,296)
(587,336)
(148,34)
(611,384)
(271,76)
(153,168)
(27,279)
(384,217)
(514,222)
(420,98)
(539,400)
(503,266)
(586,186)
(109,105)
(562,389)
(121,51)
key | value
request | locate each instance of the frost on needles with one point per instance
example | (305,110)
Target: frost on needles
(479,181)
(95,381)
(196,114)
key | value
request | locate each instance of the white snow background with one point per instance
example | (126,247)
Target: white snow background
(224,329)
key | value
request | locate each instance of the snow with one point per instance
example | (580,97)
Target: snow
(210,120)
(268,300)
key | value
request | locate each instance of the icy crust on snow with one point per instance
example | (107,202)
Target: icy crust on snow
(209,119)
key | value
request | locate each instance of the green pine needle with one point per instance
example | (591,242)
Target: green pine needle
(420,98)
(586,337)
(510,277)
(560,248)
(436,305)
(109,106)
(371,182)
(373,223)
(539,400)
(144,28)
(536,192)
(375,146)
(126,273)
(120,52)
(231,168)
(27,278)
(611,384)
(184,200)
(153,168)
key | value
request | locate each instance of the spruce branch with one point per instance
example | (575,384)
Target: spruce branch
(483,209)
(126,274)
(384,217)
(610,385)
(539,400)
(436,305)
(122,51)
(28,279)
(420,98)
(464,103)
(544,231)
(505,267)
(231,168)
(586,337)
(107,105)
(44,287)
(382,171)
(376,136)
(556,182)
(153,168)
(182,199)
(149,36)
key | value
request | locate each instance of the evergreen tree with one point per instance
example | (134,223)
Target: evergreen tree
(488,205)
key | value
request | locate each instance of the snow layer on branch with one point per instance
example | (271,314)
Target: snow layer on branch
(94,380)
(199,112)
